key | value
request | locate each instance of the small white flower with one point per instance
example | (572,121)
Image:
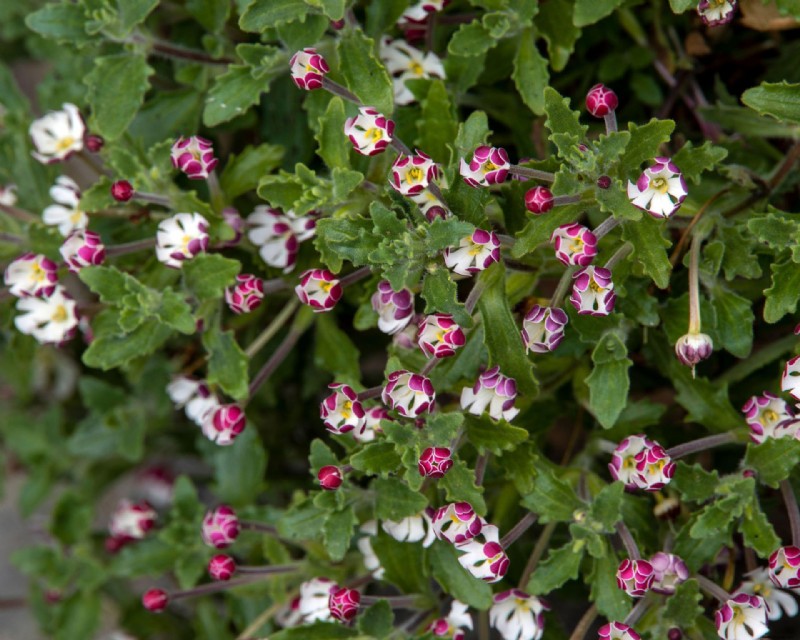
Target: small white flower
(58,134)
(454,624)
(778,601)
(8,195)
(474,253)
(278,235)
(48,320)
(412,529)
(517,615)
(195,397)
(371,561)
(660,189)
(790,381)
(404,62)
(483,556)
(743,617)
(65,213)
(180,238)
(32,274)
(420,11)
(494,391)
(314,596)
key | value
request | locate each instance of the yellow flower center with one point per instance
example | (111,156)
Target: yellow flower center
(659,184)
(489,166)
(60,314)
(373,134)
(769,416)
(577,245)
(594,286)
(415,174)
(738,615)
(65,143)
(628,462)
(417,69)
(326,286)
(76,216)
(38,272)
(658,466)
(185,242)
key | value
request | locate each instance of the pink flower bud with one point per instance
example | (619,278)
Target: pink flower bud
(343,603)
(370,132)
(693,348)
(440,336)
(194,156)
(617,631)
(412,174)
(543,328)
(220,527)
(122,191)
(308,68)
(319,289)
(410,394)
(784,567)
(574,244)
(668,572)
(155,600)
(635,577)
(601,100)
(604,182)
(31,275)
(342,411)
(539,200)
(228,421)
(246,295)
(674,634)
(593,291)
(82,248)
(489,165)
(221,567)
(435,462)
(93,142)
(330,477)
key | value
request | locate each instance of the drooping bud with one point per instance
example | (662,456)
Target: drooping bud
(93,142)
(693,348)
(246,295)
(330,477)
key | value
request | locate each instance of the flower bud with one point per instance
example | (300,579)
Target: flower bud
(221,567)
(220,527)
(330,477)
(674,634)
(617,631)
(131,521)
(122,191)
(601,100)
(93,142)
(492,391)
(635,577)
(342,411)
(435,462)
(604,182)
(410,394)
(784,567)
(440,336)
(693,348)
(155,600)
(319,289)
(82,248)
(394,308)
(539,200)
(308,68)
(228,421)
(194,156)
(543,328)
(246,295)
(343,603)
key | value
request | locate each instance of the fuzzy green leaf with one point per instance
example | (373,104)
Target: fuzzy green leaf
(334,147)
(694,161)
(563,123)
(60,21)
(779,100)
(363,72)
(438,126)
(341,239)
(335,352)
(394,500)
(559,33)
(615,201)
(608,383)
(784,293)
(243,171)
(337,531)
(459,486)
(734,321)
(644,145)
(560,566)
(610,600)
(441,296)
(227,363)
(758,532)
(376,458)
(377,621)
(209,274)
(486,434)
(552,498)
(649,249)
(694,483)
(471,39)
(116,88)
(590,11)
(471,133)
(263,14)
(455,580)
(530,72)
(239,469)
(232,94)
(773,460)
(110,351)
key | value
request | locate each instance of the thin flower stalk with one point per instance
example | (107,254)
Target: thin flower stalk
(627,540)
(701,444)
(792,509)
(272,328)
(130,247)
(535,174)
(527,521)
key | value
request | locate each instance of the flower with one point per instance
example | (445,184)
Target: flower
(741,618)
(49,320)
(155,600)
(412,174)
(194,156)
(289,615)
(342,411)
(221,567)
(489,165)
(430,205)
(8,195)
(195,396)
(58,134)
(246,295)
(308,68)
(474,253)
(220,527)
(790,380)
(768,417)
(372,424)
(314,596)
(435,462)
(456,522)
(715,13)
(492,390)
(330,477)
(343,603)
(635,577)
(784,567)
(32,274)
(668,572)
(65,213)
(759,583)
(693,348)
(319,289)
(394,308)
(180,238)
(640,463)
(404,62)
(543,328)
(131,521)
(539,200)
(419,12)
(601,100)
(234,222)
(227,422)
(454,624)
(82,248)
(593,291)
(410,394)
(371,561)
(660,189)
(412,529)
(517,615)
(617,631)
(483,556)
(278,235)
(370,131)
(574,244)
(440,336)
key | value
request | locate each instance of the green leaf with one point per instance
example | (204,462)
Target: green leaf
(563,123)
(614,200)
(644,145)
(559,33)
(716,516)
(438,126)
(320,456)
(780,100)
(59,21)
(385,221)
(782,296)
(239,469)
(530,72)
(232,94)
(503,341)
(334,147)
(394,500)
(679,6)
(650,248)
(774,230)
(441,234)
(227,363)
(694,161)
(694,483)
(79,615)
(459,486)
(109,283)
(472,133)
(611,601)
(263,14)
(590,11)
(174,311)
(209,274)
(606,508)
(242,172)
(318,630)
(403,563)
(560,566)
(734,321)
(210,13)
(683,606)
(303,521)
(552,498)
(471,39)
(455,580)
(486,434)
(341,239)
(539,230)
(773,460)
(608,383)
(71,518)
(441,296)
(132,13)
(110,351)
(748,122)
(376,458)
(377,621)
(758,533)
(335,352)
(363,72)
(333,9)
(337,531)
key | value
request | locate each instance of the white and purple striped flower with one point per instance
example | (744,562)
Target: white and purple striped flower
(180,238)
(489,165)
(668,572)
(246,294)
(769,417)
(593,291)
(474,253)
(410,394)
(394,308)
(342,411)
(370,131)
(440,336)
(492,391)
(715,13)
(32,274)
(635,577)
(483,556)
(220,527)
(82,248)
(412,174)
(660,189)
(743,617)
(457,522)
(574,244)
(194,156)
(517,615)
(308,69)
(543,328)
(319,289)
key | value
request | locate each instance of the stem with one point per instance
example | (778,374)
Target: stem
(272,328)
(627,540)
(19,214)
(792,510)
(396,602)
(525,172)
(274,362)
(759,359)
(161,47)
(701,444)
(518,529)
(712,589)
(211,587)
(673,259)
(621,253)
(130,247)
(215,191)
(338,90)
(264,617)
(611,122)
(355,276)
(152,198)
(537,553)
(791,157)
(10,238)
(562,287)
(562,200)
(637,612)
(605,226)
(270,569)
(474,295)
(694,285)
(257,526)
(480,468)
(369,394)
(276,284)
(91,163)
(429,365)
(584,624)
